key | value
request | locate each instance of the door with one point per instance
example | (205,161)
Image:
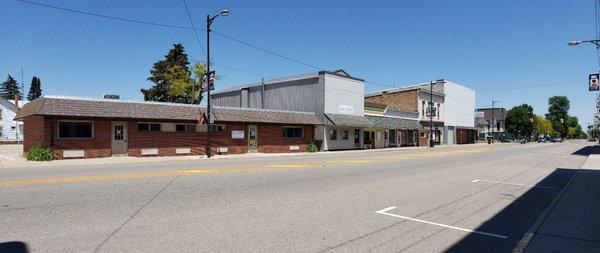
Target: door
(357,138)
(119,139)
(252,138)
(392,138)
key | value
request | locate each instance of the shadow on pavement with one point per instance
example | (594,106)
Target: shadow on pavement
(589,150)
(14,247)
(516,219)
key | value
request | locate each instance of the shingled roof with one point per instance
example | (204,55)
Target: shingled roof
(393,122)
(121,109)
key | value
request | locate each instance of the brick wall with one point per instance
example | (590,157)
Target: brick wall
(270,139)
(406,100)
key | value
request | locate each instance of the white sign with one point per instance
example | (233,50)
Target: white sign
(479,114)
(345,109)
(237,134)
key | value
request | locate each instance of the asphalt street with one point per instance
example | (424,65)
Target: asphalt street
(472,198)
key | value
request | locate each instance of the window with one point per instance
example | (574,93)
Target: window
(345,134)
(498,126)
(146,127)
(0,114)
(438,110)
(423,108)
(422,134)
(218,128)
(185,128)
(292,132)
(0,131)
(75,130)
(333,134)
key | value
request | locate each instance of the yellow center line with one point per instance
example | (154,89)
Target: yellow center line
(205,171)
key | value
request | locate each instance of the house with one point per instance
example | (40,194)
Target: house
(391,127)
(336,97)
(84,127)
(482,126)
(10,130)
(496,119)
(423,100)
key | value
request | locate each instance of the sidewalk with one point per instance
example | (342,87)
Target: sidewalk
(573,222)
(16,160)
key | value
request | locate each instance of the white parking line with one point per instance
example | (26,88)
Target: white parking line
(384,212)
(526,185)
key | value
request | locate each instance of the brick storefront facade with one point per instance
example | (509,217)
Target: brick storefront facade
(43,131)
(405,100)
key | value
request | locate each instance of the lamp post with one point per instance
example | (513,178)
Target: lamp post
(209,21)
(431,143)
(579,42)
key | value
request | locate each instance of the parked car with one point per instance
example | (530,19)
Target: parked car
(556,139)
(542,139)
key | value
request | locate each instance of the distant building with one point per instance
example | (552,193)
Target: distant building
(495,124)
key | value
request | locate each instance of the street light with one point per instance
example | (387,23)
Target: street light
(209,21)
(579,42)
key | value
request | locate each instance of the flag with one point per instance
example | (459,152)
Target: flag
(201,119)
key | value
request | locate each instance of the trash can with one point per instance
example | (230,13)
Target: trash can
(489,140)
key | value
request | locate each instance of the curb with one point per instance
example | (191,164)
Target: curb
(526,239)
(243,156)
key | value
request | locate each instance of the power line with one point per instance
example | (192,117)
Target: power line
(533,86)
(187,10)
(137,21)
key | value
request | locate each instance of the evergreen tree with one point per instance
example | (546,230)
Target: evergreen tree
(10,88)
(35,90)
(172,78)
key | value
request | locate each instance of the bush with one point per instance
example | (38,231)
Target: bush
(40,153)
(312,147)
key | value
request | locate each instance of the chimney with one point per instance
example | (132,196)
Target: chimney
(17,100)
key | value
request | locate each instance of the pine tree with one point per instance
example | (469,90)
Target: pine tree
(35,90)
(10,88)
(172,78)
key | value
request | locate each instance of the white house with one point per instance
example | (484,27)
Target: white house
(10,129)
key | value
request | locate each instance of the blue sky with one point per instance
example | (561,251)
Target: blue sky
(482,44)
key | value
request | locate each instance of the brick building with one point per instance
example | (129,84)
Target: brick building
(82,127)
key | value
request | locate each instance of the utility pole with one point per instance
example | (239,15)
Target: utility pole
(493,123)
(431,144)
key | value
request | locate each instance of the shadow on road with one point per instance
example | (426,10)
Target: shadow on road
(589,150)
(14,247)
(515,219)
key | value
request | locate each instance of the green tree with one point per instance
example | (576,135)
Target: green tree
(558,110)
(35,89)
(574,128)
(519,120)
(10,88)
(543,126)
(173,81)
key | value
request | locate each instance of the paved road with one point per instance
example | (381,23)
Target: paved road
(472,198)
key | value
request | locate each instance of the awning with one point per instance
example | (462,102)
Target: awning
(393,122)
(348,120)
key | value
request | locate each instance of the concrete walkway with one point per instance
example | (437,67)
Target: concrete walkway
(10,156)
(572,222)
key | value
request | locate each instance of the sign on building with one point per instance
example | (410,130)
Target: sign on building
(479,114)
(345,109)
(237,134)
(594,83)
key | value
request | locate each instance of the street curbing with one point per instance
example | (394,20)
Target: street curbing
(526,239)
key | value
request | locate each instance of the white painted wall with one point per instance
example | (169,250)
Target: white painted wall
(425,97)
(344,96)
(459,109)
(11,130)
